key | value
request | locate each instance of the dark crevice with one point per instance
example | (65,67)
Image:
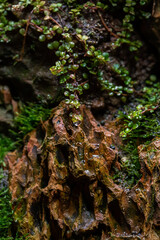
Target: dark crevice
(36,211)
(40,134)
(103,205)
(16,86)
(137,211)
(45,178)
(117,214)
(86,125)
(46,209)
(62,153)
(69,131)
(98,136)
(81,187)
(56,232)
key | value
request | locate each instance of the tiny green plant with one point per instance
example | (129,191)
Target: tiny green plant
(6,213)
(28,119)
(143,121)
(140,125)
(6,145)
(130,166)
(68,44)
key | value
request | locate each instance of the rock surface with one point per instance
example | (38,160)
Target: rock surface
(62,187)
(26,78)
(8,109)
(24,68)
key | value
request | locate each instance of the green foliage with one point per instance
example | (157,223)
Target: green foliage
(132,10)
(143,122)
(6,213)
(130,166)
(140,125)
(71,43)
(6,218)
(5,24)
(28,119)
(6,145)
(16,238)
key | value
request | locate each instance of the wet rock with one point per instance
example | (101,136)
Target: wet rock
(24,68)
(29,78)
(8,108)
(151,30)
(98,104)
(57,178)
(4,179)
(62,188)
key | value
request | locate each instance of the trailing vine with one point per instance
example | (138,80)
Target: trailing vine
(69,43)
(142,122)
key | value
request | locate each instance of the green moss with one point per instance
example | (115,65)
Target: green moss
(130,166)
(143,121)
(28,119)
(152,204)
(6,213)
(6,145)
(140,126)
(140,132)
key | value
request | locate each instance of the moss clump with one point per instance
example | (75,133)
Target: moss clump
(143,121)
(28,119)
(130,166)
(140,126)
(6,213)
(6,145)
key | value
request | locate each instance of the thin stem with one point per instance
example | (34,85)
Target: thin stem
(106,27)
